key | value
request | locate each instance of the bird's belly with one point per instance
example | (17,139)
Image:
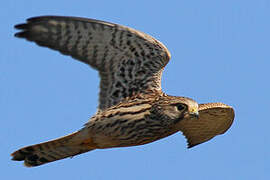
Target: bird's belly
(131,134)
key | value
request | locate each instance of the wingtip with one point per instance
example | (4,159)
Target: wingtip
(17,156)
(24,27)
(33,18)
(24,32)
(13,158)
(42,18)
(20,26)
(36,18)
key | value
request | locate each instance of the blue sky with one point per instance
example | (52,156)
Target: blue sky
(220,52)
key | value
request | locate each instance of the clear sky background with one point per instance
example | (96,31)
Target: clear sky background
(220,52)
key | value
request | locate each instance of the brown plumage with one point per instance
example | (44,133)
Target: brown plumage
(133,110)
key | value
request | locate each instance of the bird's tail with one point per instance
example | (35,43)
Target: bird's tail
(57,149)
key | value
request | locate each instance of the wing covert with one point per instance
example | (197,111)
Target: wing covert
(129,62)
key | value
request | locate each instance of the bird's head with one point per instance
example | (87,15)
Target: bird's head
(178,108)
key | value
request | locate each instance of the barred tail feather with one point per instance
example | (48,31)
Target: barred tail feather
(50,151)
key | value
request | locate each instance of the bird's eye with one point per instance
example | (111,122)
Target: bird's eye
(180,107)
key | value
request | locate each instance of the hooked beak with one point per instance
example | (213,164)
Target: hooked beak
(194,114)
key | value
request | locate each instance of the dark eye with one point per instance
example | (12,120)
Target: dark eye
(180,107)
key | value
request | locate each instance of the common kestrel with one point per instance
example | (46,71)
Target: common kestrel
(133,110)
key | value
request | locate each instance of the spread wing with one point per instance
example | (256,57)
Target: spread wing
(214,119)
(129,62)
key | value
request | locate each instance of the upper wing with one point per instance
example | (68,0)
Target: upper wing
(128,61)
(214,119)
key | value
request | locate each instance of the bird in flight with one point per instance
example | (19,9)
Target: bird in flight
(133,110)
